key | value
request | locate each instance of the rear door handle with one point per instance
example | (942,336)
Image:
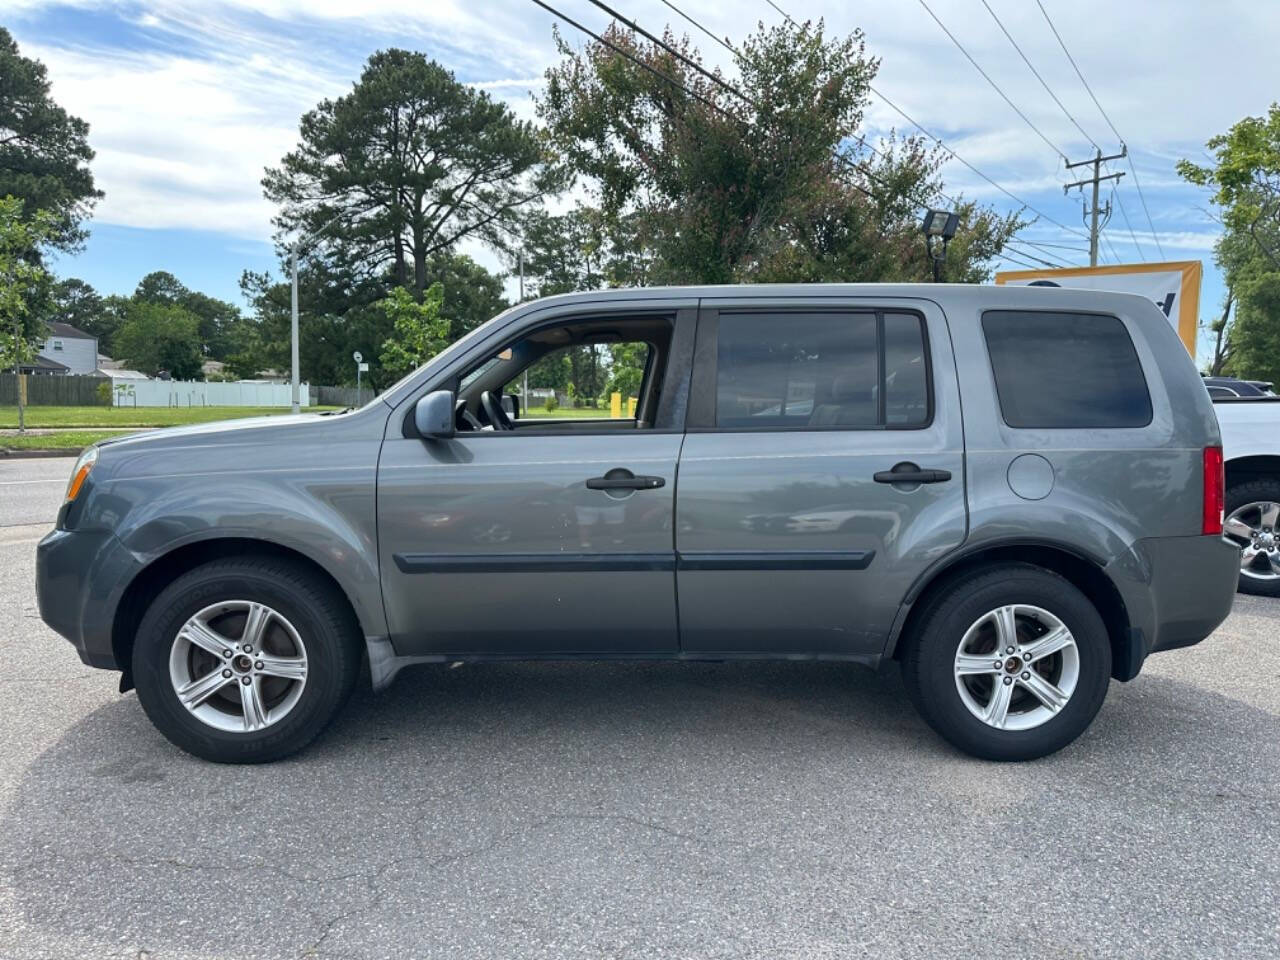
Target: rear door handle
(624,480)
(910,473)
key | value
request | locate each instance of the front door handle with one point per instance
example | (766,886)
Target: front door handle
(625,480)
(909,473)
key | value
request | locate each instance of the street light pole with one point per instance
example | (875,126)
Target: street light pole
(293,332)
(17,372)
(524,389)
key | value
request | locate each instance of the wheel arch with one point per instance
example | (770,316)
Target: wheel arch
(1261,466)
(1084,572)
(167,567)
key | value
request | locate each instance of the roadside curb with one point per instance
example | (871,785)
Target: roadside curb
(8,453)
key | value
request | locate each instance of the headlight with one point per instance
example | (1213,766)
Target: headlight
(81,471)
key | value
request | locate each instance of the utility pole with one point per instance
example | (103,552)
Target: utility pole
(1096,179)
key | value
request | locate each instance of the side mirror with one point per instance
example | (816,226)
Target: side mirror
(433,415)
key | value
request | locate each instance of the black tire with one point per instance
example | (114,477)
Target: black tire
(1239,494)
(928,664)
(322,620)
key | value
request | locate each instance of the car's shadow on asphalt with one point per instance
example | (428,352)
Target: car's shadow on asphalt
(506,780)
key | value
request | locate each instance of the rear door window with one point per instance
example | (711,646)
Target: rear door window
(1065,370)
(821,371)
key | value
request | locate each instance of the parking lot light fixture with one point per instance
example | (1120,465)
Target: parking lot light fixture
(938,224)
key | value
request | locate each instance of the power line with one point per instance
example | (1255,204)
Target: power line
(903,113)
(636,60)
(1014,244)
(949,151)
(720,40)
(1132,169)
(1110,247)
(1045,247)
(1124,215)
(957,156)
(1030,67)
(1060,246)
(1078,73)
(1010,258)
(672,50)
(735,91)
(738,93)
(996,87)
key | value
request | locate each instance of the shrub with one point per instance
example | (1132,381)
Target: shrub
(552,404)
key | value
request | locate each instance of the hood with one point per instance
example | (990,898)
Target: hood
(271,430)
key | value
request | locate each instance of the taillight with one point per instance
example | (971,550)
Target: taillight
(1214,485)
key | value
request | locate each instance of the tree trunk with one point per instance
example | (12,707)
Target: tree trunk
(1222,344)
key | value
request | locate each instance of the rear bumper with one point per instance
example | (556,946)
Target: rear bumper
(1176,590)
(80,577)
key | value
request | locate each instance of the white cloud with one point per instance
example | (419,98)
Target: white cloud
(184,128)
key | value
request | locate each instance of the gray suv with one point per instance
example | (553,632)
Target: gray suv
(1014,492)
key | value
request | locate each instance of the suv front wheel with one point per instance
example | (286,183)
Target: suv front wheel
(245,661)
(1009,663)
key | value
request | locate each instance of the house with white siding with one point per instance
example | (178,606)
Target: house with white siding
(75,351)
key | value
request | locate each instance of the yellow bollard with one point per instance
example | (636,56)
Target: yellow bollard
(631,408)
(615,406)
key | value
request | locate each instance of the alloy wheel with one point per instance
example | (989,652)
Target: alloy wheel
(238,666)
(1254,528)
(1016,667)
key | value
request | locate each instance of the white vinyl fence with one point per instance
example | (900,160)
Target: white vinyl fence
(184,393)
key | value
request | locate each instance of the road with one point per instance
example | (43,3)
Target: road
(634,810)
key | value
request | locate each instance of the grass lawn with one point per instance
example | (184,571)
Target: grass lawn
(131,416)
(566,413)
(62,440)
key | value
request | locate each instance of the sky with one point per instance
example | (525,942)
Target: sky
(188,103)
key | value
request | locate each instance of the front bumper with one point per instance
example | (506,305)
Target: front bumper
(1176,591)
(80,577)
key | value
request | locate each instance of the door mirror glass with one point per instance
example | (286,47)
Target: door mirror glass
(433,415)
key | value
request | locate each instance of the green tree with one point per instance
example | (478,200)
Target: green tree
(23,280)
(403,167)
(626,368)
(216,317)
(159,337)
(419,331)
(566,252)
(472,294)
(44,151)
(75,302)
(710,187)
(1245,176)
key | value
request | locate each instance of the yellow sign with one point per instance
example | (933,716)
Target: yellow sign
(1174,287)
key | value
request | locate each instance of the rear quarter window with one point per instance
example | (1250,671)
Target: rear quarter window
(1065,370)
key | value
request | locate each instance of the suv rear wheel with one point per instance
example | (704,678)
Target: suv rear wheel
(245,661)
(1009,663)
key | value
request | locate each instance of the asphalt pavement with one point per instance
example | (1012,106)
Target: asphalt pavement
(634,810)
